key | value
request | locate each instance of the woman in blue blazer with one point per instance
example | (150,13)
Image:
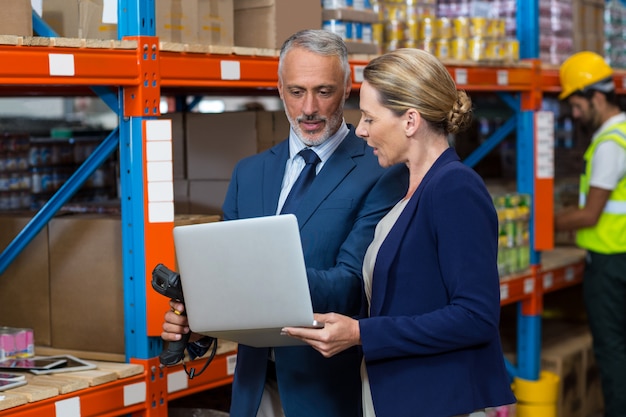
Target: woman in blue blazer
(429,333)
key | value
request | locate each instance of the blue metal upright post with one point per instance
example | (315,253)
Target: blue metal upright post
(135,18)
(528,325)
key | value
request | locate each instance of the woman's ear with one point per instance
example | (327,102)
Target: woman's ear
(412,121)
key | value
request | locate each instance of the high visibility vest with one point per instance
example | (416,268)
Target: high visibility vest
(609,234)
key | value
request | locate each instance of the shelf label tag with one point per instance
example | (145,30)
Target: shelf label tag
(570,274)
(544,140)
(177,381)
(502,77)
(460,75)
(529,285)
(134,394)
(67,408)
(504,291)
(358,73)
(61,65)
(231,70)
(109,12)
(231,362)
(548,280)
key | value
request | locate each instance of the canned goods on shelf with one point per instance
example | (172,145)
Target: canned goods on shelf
(477,49)
(443,28)
(335,26)
(367,35)
(458,49)
(378,31)
(394,30)
(461,27)
(442,48)
(494,51)
(511,50)
(478,26)
(496,28)
(427,45)
(394,11)
(427,28)
(334,4)
(412,29)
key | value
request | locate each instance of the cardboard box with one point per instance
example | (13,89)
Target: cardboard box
(24,285)
(86,283)
(216,142)
(207,196)
(593,401)
(16,18)
(208,22)
(268,23)
(90,24)
(216,22)
(61,16)
(181,196)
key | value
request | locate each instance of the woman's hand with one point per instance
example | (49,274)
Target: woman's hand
(339,333)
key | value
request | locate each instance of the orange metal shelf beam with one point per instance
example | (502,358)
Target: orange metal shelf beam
(31,66)
(106,400)
(523,287)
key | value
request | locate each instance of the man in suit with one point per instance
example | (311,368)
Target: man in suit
(337,217)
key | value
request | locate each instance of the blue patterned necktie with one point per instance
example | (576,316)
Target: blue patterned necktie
(303,182)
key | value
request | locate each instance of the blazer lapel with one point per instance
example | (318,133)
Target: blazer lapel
(273,172)
(389,249)
(333,172)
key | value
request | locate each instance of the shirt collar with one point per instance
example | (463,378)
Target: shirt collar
(325,149)
(618,118)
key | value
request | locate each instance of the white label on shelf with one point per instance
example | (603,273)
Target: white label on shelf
(158,130)
(160,191)
(231,70)
(231,362)
(358,73)
(569,274)
(529,285)
(544,140)
(177,381)
(548,280)
(134,394)
(61,65)
(161,212)
(460,76)
(502,77)
(67,408)
(504,291)
(160,171)
(158,151)
(109,12)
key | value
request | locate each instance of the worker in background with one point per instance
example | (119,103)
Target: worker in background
(600,220)
(337,218)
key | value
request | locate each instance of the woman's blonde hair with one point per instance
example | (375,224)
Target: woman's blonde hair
(413,78)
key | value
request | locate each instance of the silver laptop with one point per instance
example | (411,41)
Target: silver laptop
(244,280)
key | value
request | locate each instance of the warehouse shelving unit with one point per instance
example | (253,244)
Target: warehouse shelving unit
(131,74)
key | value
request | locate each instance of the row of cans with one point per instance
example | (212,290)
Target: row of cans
(462,49)
(443,28)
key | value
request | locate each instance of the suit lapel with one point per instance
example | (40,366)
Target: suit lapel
(333,173)
(273,172)
(389,249)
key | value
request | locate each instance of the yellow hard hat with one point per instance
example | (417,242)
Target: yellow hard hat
(581,70)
